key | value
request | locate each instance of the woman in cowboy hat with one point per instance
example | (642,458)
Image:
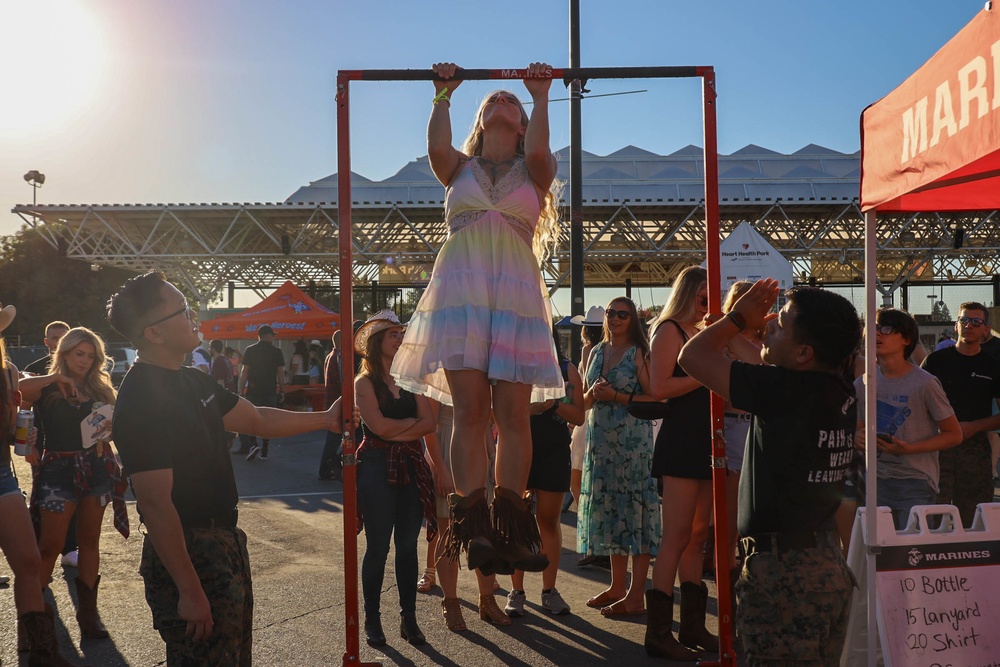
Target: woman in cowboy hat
(17,537)
(395,485)
(479,338)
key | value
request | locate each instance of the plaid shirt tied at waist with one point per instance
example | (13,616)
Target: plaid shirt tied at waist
(82,472)
(398,455)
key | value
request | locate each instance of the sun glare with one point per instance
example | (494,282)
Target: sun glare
(52,62)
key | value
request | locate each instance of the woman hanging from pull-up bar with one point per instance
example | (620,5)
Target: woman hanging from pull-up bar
(480,338)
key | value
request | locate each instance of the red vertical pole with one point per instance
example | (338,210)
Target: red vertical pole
(713,264)
(351,624)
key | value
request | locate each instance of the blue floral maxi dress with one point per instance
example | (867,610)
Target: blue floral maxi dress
(619,511)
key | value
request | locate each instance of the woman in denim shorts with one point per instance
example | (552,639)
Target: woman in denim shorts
(78,473)
(36,632)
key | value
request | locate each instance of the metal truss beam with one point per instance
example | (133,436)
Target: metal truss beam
(261,245)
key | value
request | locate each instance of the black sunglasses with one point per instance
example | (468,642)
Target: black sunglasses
(971,321)
(186,310)
(885,329)
(611,314)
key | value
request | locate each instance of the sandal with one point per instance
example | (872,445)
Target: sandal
(603,600)
(489,611)
(619,609)
(427,580)
(451,608)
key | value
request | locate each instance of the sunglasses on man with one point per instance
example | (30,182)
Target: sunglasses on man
(974,322)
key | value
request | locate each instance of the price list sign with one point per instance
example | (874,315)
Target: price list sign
(940,604)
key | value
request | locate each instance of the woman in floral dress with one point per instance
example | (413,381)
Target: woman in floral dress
(619,508)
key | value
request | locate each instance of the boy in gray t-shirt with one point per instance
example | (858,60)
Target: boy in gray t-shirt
(914,419)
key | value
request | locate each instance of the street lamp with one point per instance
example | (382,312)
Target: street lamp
(35,179)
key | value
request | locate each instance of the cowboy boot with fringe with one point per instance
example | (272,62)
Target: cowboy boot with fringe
(469,530)
(516,533)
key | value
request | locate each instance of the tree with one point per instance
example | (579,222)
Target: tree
(45,286)
(940,312)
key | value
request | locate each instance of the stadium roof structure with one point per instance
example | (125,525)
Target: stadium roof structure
(643,220)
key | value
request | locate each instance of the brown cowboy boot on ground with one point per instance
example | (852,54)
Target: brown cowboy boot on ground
(660,642)
(693,633)
(516,533)
(43,648)
(86,615)
(469,530)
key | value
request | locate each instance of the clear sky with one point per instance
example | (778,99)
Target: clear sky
(233,100)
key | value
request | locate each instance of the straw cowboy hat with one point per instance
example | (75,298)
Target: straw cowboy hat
(594,318)
(380,321)
(7,314)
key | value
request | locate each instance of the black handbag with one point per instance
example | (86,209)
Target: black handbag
(646,410)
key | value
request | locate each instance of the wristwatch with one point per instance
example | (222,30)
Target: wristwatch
(738,319)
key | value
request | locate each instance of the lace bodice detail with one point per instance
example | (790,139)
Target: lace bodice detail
(513,197)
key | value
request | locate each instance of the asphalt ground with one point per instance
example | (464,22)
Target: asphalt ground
(296,543)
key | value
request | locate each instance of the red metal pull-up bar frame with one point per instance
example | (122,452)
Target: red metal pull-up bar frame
(344,204)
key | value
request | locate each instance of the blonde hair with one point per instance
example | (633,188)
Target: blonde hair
(681,304)
(736,290)
(547,231)
(97,383)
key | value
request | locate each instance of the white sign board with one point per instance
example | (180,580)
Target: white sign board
(746,255)
(937,590)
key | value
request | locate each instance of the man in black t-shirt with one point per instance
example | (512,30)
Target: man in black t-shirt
(262,381)
(991,344)
(971,379)
(54,331)
(795,589)
(169,427)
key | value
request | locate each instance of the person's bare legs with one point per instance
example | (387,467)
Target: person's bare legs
(692,559)
(17,541)
(575,482)
(511,403)
(447,569)
(680,499)
(732,512)
(470,391)
(53,536)
(89,519)
(617,589)
(548,512)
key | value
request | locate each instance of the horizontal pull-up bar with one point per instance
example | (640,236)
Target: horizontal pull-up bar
(567,74)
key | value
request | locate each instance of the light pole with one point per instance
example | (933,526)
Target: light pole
(35,179)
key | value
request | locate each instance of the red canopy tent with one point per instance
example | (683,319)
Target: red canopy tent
(932,144)
(288,311)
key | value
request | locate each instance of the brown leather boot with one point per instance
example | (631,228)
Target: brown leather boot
(22,635)
(693,633)
(469,531)
(86,614)
(43,648)
(516,532)
(660,642)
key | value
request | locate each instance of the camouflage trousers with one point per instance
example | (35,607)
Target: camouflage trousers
(792,607)
(220,558)
(966,476)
